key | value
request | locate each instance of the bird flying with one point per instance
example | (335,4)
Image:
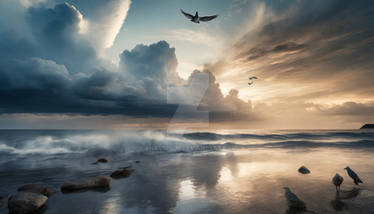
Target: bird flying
(251,80)
(353,175)
(337,180)
(196,18)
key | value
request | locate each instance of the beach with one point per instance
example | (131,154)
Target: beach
(192,172)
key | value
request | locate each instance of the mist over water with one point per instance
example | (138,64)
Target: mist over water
(192,172)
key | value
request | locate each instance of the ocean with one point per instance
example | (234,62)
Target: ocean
(193,172)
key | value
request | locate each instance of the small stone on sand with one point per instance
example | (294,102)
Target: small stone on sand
(304,170)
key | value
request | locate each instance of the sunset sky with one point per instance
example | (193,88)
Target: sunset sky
(141,64)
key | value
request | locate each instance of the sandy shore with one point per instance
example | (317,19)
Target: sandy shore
(230,181)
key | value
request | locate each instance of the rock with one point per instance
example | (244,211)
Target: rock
(367,126)
(101,160)
(137,161)
(304,170)
(36,188)
(26,202)
(99,183)
(123,172)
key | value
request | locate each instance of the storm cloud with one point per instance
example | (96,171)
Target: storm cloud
(314,41)
(306,53)
(53,67)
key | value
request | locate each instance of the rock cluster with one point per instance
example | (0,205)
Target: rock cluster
(30,198)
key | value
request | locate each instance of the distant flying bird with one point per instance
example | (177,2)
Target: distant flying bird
(337,180)
(251,80)
(353,175)
(196,18)
(293,201)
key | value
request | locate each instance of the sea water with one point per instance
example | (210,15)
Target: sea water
(192,172)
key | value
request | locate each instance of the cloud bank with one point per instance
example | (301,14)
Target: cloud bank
(306,54)
(54,68)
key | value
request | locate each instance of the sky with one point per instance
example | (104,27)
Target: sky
(87,64)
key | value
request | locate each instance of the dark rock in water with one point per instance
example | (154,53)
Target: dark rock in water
(101,160)
(96,183)
(123,172)
(367,126)
(304,170)
(36,188)
(137,161)
(26,202)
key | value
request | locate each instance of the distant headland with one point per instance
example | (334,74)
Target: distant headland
(367,126)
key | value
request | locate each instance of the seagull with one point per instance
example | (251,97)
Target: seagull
(353,175)
(337,180)
(198,18)
(251,80)
(293,201)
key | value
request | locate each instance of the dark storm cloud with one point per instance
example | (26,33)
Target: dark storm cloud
(150,69)
(55,70)
(52,68)
(220,108)
(11,46)
(56,31)
(36,85)
(331,36)
(318,52)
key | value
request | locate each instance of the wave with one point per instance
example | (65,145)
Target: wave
(210,136)
(97,143)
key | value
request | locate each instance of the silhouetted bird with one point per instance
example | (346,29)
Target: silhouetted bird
(196,18)
(251,80)
(293,201)
(353,175)
(337,180)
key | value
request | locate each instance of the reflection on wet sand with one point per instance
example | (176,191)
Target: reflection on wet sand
(338,203)
(235,181)
(348,194)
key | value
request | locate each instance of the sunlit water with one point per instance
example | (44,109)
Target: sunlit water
(193,173)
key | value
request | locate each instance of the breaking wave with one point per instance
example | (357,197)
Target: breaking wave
(97,143)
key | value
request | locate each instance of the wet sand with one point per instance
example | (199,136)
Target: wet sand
(193,173)
(228,181)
